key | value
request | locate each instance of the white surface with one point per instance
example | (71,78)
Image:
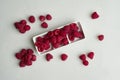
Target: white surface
(105,66)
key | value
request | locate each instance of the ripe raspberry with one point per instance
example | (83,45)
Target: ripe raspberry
(49,57)
(82,57)
(44,25)
(31,19)
(94,15)
(42,18)
(101,37)
(64,57)
(90,55)
(85,63)
(48,17)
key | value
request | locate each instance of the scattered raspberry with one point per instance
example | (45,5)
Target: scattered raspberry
(85,62)
(101,37)
(44,25)
(64,57)
(31,19)
(48,17)
(94,15)
(49,57)
(82,57)
(42,18)
(90,55)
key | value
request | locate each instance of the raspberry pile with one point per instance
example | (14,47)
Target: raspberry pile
(83,58)
(58,37)
(26,56)
(22,26)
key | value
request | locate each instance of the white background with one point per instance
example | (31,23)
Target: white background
(104,66)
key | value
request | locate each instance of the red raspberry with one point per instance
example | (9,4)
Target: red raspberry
(101,37)
(66,28)
(22,64)
(31,19)
(94,15)
(65,41)
(71,37)
(64,57)
(40,49)
(48,17)
(33,58)
(42,18)
(49,57)
(30,51)
(27,27)
(22,30)
(85,62)
(56,31)
(18,55)
(53,39)
(23,22)
(91,55)
(82,57)
(28,62)
(56,45)
(29,56)
(44,25)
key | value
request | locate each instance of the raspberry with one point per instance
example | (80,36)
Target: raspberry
(27,27)
(82,57)
(23,22)
(94,15)
(40,49)
(33,58)
(22,64)
(65,41)
(56,31)
(29,56)
(101,37)
(30,51)
(49,57)
(31,19)
(44,25)
(73,26)
(59,38)
(22,30)
(56,45)
(64,57)
(85,62)
(42,18)
(48,17)
(66,28)
(91,55)
(28,62)
(18,55)
(71,37)
(53,39)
